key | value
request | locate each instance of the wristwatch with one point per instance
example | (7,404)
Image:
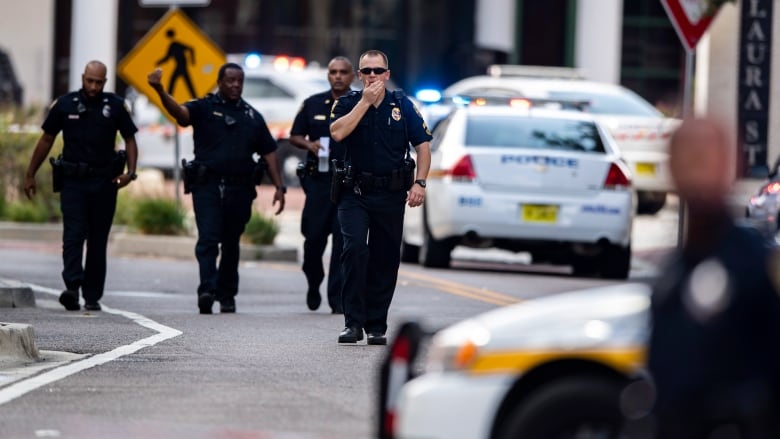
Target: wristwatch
(132,176)
(421,183)
(282,188)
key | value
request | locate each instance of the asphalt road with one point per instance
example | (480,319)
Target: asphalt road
(150,366)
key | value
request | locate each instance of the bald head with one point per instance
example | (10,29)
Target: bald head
(93,79)
(701,162)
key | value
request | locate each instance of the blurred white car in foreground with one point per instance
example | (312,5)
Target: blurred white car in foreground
(568,366)
(547,182)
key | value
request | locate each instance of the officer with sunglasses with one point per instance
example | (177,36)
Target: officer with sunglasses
(227,133)
(310,131)
(376,127)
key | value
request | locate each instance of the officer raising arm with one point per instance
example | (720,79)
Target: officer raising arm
(376,127)
(227,133)
(88,175)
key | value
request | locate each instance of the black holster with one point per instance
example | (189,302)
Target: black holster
(191,173)
(56,173)
(343,179)
(408,173)
(259,171)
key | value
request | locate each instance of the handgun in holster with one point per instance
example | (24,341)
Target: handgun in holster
(57,172)
(259,171)
(188,171)
(342,180)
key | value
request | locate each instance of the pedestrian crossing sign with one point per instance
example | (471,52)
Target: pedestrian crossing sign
(187,56)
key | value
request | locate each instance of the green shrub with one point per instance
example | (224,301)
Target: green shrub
(26,212)
(125,208)
(261,230)
(157,216)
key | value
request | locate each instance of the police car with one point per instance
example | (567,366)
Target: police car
(566,366)
(521,177)
(641,131)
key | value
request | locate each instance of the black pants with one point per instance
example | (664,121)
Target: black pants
(318,220)
(88,207)
(372,225)
(221,215)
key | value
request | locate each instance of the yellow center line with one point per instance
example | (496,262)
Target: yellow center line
(481,294)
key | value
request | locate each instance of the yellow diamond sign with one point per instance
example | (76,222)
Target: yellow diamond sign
(188,58)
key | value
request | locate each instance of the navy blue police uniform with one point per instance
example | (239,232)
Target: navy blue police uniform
(319,217)
(376,151)
(713,346)
(226,136)
(88,194)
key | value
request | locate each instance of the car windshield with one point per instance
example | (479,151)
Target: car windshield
(624,104)
(532,132)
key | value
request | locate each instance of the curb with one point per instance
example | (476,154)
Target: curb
(14,294)
(17,343)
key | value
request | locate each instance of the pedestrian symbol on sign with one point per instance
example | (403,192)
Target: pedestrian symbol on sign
(179,53)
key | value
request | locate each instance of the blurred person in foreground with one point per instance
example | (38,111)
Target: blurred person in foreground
(311,131)
(227,133)
(88,176)
(714,349)
(376,126)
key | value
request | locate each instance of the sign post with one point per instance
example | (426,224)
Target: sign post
(691,19)
(190,62)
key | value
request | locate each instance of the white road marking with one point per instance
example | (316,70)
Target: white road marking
(22,387)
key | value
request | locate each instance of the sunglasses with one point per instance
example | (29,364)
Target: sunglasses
(375,70)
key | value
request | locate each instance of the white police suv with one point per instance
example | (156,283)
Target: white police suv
(641,131)
(518,177)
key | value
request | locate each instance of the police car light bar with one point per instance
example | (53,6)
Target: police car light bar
(506,70)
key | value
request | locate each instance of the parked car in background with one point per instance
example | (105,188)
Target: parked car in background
(641,131)
(513,176)
(568,366)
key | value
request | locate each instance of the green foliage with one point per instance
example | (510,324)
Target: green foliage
(26,212)
(260,230)
(19,133)
(125,208)
(157,216)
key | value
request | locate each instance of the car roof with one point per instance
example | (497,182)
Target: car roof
(522,83)
(502,110)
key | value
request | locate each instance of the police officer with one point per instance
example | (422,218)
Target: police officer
(376,127)
(319,217)
(91,171)
(716,312)
(227,132)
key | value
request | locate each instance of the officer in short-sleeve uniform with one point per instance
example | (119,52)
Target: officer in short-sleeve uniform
(372,221)
(227,133)
(225,137)
(89,120)
(319,217)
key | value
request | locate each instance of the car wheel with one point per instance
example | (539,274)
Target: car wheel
(584,266)
(410,253)
(650,203)
(434,253)
(568,408)
(616,262)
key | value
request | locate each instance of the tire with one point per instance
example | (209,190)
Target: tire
(568,408)
(650,203)
(434,253)
(616,262)
(584,266)
(410,253)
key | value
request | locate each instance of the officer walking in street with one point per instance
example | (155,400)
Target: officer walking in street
(311,132)
(88,175)
(376,127)
(227,133)
(713,350)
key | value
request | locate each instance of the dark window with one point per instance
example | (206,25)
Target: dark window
(533,132)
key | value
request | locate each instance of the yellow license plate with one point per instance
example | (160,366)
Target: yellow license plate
(540,213)
(645,169)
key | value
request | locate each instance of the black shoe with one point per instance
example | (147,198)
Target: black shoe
(351,334)
(205,301)
(70,300)
(313,299)
(376,338)
(227,306)
(92,306)
(336,311)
